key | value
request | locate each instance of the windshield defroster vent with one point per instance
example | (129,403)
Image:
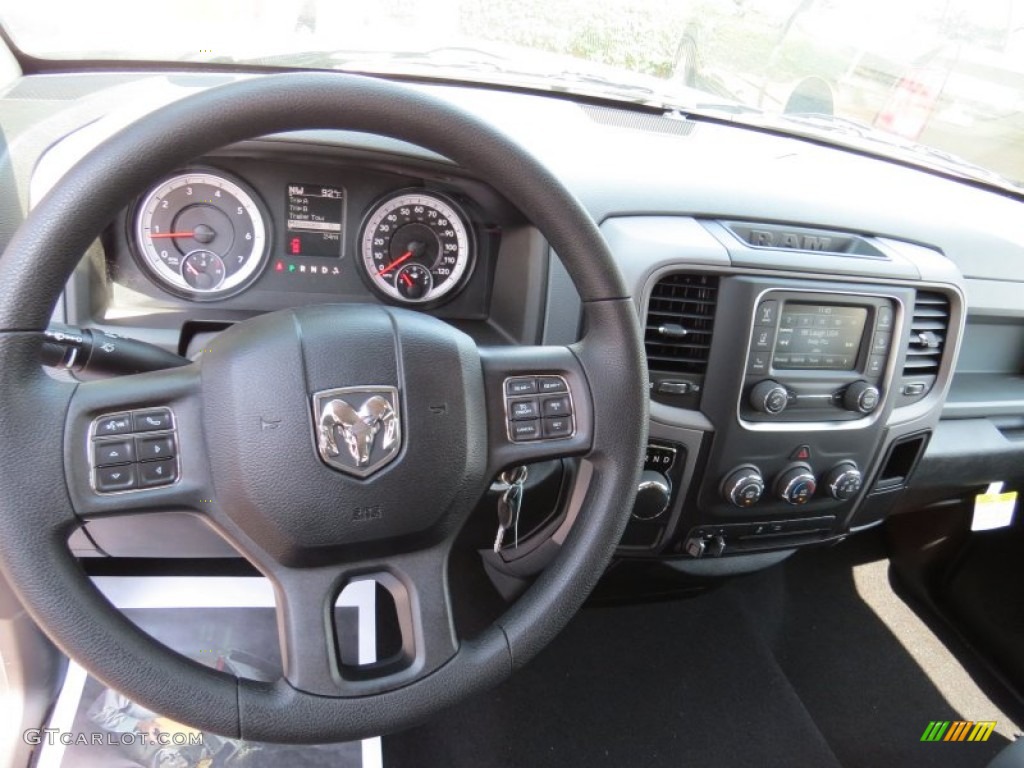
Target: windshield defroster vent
(677,336)
(929,327)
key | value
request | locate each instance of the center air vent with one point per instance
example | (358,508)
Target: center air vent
(928,330)
(929,327)
(677,334)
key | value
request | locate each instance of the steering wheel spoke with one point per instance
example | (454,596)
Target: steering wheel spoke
(135,444)
(309,633)
(539,405)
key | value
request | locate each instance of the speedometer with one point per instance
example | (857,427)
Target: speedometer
(416,247)
(201,235)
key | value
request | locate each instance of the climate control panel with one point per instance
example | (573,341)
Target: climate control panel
(796,484)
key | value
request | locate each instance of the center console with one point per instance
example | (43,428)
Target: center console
(784,395)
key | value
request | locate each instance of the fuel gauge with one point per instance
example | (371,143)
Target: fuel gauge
(413,281)
(203,270)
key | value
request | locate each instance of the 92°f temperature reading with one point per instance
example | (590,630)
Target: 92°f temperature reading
(315,216)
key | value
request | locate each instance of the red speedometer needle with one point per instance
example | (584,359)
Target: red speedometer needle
(160,235)
(400,260)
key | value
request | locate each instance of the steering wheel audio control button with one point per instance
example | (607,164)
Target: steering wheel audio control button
(132,464)
(114,452)
(115,424)
(113,479)
(153,473)
(152,420)
(153,448)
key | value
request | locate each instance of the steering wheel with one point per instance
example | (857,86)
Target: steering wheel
(252,459)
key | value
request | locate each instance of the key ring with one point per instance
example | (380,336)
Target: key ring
(516,476)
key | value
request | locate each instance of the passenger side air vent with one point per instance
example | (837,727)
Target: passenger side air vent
(677,336)
(929,327)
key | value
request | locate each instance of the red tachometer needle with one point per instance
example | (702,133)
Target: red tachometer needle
(172,234)
(400,260)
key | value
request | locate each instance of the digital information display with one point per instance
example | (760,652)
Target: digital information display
(819,337)
(315,215)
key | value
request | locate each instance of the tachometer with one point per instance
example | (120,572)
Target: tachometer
(416,247)
(201,235)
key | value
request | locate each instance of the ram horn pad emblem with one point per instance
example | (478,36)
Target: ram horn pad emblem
(358,429)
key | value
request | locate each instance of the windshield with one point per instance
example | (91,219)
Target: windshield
(939,81)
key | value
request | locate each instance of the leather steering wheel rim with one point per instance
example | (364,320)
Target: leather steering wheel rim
(40,502)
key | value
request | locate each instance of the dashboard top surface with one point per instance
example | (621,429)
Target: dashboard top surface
(617,162)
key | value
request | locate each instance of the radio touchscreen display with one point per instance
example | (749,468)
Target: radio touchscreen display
(819,337)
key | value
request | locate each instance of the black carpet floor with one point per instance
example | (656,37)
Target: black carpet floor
(814,663)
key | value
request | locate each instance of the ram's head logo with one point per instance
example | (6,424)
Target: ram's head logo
(360,432)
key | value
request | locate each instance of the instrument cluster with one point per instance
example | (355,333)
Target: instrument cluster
(204,234)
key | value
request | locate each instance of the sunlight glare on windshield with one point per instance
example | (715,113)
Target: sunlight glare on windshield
(947,75)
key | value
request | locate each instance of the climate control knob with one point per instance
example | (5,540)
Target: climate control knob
(796,485)
(743,487)
(844,481)
(769,397)
(861,397)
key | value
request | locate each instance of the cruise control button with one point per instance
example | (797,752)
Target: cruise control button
(560,426)
(523,409)
(150,448)
(548,384)
(525,430)
(556,406)
(114,452)
(110,479)
(115,424)
(521,387)
(157,473)
(151,420)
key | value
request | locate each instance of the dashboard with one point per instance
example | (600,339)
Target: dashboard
(831,338)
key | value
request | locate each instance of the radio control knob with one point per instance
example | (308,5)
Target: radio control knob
(769,397)
(861,397)
(844,481)
(743,487)
(796,485)
(653,495)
